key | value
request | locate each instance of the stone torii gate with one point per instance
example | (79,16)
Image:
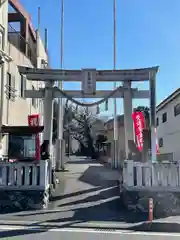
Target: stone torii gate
(88,78)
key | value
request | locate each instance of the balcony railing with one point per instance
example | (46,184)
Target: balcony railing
(15,38)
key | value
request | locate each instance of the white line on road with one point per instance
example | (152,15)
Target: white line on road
(120,232)
(79,230)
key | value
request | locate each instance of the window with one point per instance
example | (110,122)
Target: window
(33,99)
(22,147)
(13,83)
(10,87)
(161,142)
(157,121)
(177,110)
(22,86)
(164,117)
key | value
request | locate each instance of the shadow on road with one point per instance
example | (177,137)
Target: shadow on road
(105,206)
(19,232)
(99,176)
(74,194)
(103,194)
(87,161)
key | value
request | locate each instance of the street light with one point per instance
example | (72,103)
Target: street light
(59,146)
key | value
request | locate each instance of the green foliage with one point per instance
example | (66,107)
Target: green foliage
(143,109)
(101,139)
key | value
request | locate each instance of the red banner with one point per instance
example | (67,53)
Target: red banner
(139,124)
(157,147)
(34,120)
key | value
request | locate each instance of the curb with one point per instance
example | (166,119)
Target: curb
(139,227)
(157,227)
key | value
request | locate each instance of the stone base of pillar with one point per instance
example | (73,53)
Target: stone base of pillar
(15,201)
(60,155)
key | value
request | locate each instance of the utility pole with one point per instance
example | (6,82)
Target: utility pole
(60,145)
(115,159)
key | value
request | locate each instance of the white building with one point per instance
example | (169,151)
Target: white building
(168,126)
(168,129)
(25,48)
(121,136)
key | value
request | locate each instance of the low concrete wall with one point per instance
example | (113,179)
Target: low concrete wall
(11,201)
(165,203)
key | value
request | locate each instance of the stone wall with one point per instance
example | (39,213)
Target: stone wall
(165,203)
(12,201)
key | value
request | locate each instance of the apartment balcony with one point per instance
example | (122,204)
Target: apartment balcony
(26,48)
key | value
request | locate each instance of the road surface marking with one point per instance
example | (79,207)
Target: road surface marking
(121,232)
(79,230)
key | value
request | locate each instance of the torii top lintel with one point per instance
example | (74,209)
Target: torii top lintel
(38,74)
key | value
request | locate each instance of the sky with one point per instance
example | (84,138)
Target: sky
(148,34)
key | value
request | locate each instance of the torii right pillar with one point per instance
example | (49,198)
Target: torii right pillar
(152,87)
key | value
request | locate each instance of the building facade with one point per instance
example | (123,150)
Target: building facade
(109,126)
(25,48)
(168,129)
(168,126)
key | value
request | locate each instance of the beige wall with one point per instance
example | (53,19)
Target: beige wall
(41,50)
(41,54)
(16,112)
(121,140)
(3,15)
(3,69)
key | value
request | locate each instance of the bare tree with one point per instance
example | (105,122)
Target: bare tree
(77,123)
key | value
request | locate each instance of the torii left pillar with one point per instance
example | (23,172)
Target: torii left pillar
(128,122)
(48,113)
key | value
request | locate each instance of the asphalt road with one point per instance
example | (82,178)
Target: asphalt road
(69,234)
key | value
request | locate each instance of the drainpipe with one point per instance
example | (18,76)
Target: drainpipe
(4,59)
(2,98)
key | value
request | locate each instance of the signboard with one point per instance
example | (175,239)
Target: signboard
(89,81)
(34,120)
(139,124)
